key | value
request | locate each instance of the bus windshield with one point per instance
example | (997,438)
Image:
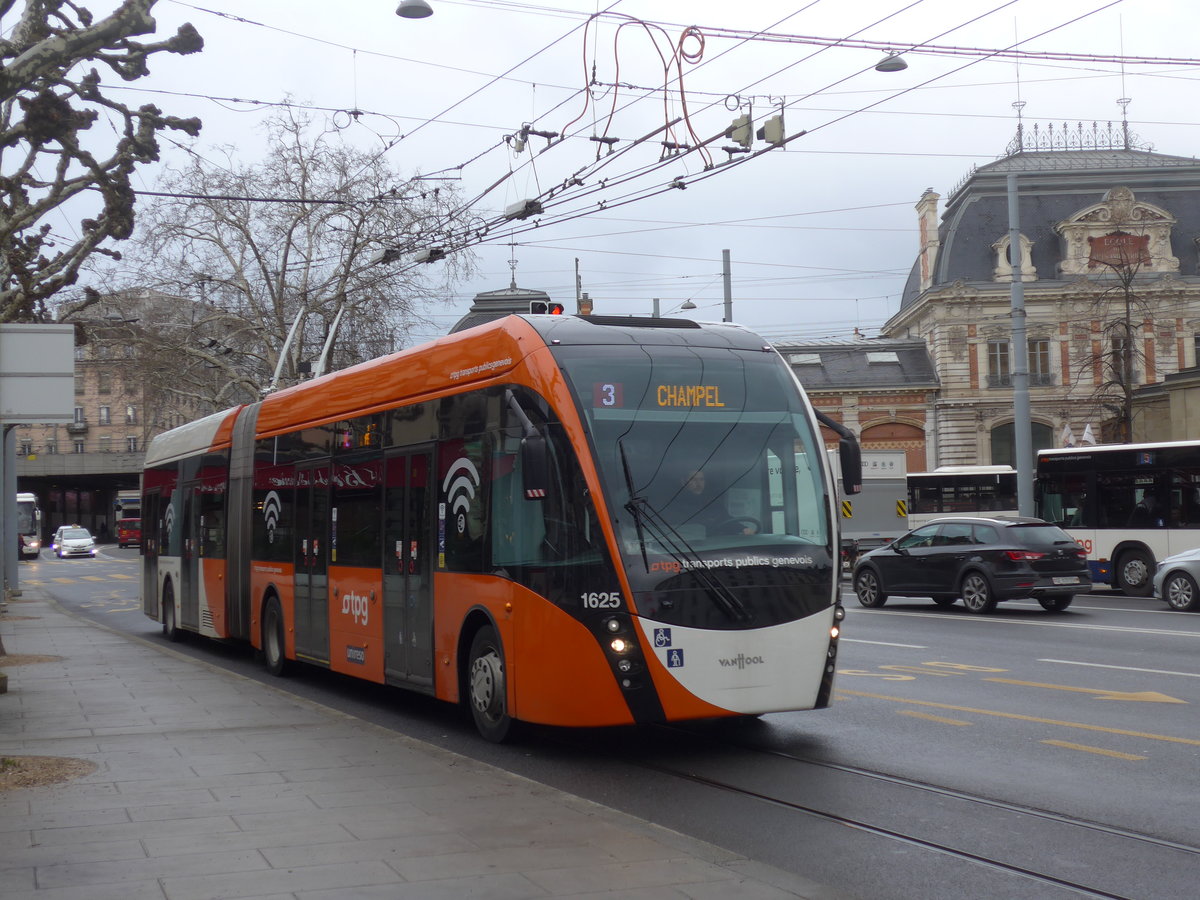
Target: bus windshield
(709,461)
(26,517)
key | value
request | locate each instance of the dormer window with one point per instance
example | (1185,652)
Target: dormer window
(1003,271)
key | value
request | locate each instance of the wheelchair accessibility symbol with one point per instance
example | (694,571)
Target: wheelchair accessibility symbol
(662,637)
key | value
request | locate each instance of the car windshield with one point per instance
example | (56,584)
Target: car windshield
(75,534)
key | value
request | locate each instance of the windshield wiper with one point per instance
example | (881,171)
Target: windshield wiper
(677,547)
(632,506)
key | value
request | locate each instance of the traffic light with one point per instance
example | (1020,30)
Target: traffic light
(740,131)
(772,130)
(546,308)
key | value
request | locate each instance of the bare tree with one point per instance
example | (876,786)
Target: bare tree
(1120,307)
(50,155)
(272,262)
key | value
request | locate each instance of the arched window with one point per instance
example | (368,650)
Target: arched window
(1004,452)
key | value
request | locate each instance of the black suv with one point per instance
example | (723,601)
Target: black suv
(983,560)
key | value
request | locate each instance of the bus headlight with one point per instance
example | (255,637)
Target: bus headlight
(834,632)
(839,613)
(619,645)
(613,625)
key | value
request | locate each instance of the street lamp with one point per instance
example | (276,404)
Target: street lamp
(893,62)
(414,9)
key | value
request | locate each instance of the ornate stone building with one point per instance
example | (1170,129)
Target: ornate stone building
(1111,278)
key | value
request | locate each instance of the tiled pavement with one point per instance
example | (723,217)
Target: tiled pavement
(210,785)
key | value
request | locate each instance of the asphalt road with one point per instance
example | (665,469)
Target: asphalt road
(1022,754)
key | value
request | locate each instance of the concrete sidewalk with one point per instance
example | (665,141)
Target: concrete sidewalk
(211,785)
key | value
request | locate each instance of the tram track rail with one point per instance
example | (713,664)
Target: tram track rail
(953,824)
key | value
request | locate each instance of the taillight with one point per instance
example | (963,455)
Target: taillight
(1019,555)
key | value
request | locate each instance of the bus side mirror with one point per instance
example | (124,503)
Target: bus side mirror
(851,459)
(535,467)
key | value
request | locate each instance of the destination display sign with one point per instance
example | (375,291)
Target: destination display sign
(611,395)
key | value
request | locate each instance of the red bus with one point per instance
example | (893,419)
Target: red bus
(508,518)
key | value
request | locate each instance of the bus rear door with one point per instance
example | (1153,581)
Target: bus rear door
(312,554)
(408,548)
(189,558)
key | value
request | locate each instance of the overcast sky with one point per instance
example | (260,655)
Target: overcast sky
(822,232)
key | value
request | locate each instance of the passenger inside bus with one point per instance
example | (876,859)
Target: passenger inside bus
(703,506)
(1145,514)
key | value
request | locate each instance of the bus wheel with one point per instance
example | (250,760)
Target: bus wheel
(1134,573)
(1181,593)
(486,687)
(170,627)
(1056,602)
(273,642)
(977,593)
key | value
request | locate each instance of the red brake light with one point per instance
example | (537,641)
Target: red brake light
(1019,555)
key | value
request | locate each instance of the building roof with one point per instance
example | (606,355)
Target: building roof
(874,364)
(491,305)
(1052,186)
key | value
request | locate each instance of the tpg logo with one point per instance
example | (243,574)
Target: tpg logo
(356,605)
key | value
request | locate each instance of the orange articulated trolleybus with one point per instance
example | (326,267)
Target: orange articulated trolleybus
(511,518)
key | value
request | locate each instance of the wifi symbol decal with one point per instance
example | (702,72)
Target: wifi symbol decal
(272,509)
(459,487)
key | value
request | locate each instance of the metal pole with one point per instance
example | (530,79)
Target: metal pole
(656,310)
(9,583)
(1022,417)
(728,287)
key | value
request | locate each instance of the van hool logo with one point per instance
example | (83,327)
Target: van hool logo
(740,661)
(272,508)
(459,487)
(169,520)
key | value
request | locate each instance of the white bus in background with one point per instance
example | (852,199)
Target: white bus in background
(1130,505)
(879,513)
(29,527)
(961,491)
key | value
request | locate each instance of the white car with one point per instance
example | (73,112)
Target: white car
(71,540)
(1177,581)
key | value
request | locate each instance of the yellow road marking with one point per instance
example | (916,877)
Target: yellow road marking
(1115,754)
(122,575)
(63,580)
(93,578)
(932,718)
(1191,742)
(1144,696)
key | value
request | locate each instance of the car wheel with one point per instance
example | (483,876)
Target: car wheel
(170,627)
(1056,602)
(868,589)
(977,593)
(1135,571)
(1180,591)
(945,600)
(487,691)
(273,641)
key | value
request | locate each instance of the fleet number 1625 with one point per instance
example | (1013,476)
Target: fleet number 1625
(601,600)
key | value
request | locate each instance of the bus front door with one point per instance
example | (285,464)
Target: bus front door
(189,561)
(408,548)
(312,554)
(150,547)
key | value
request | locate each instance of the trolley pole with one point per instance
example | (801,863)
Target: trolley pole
(1022,417)
(728,286)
